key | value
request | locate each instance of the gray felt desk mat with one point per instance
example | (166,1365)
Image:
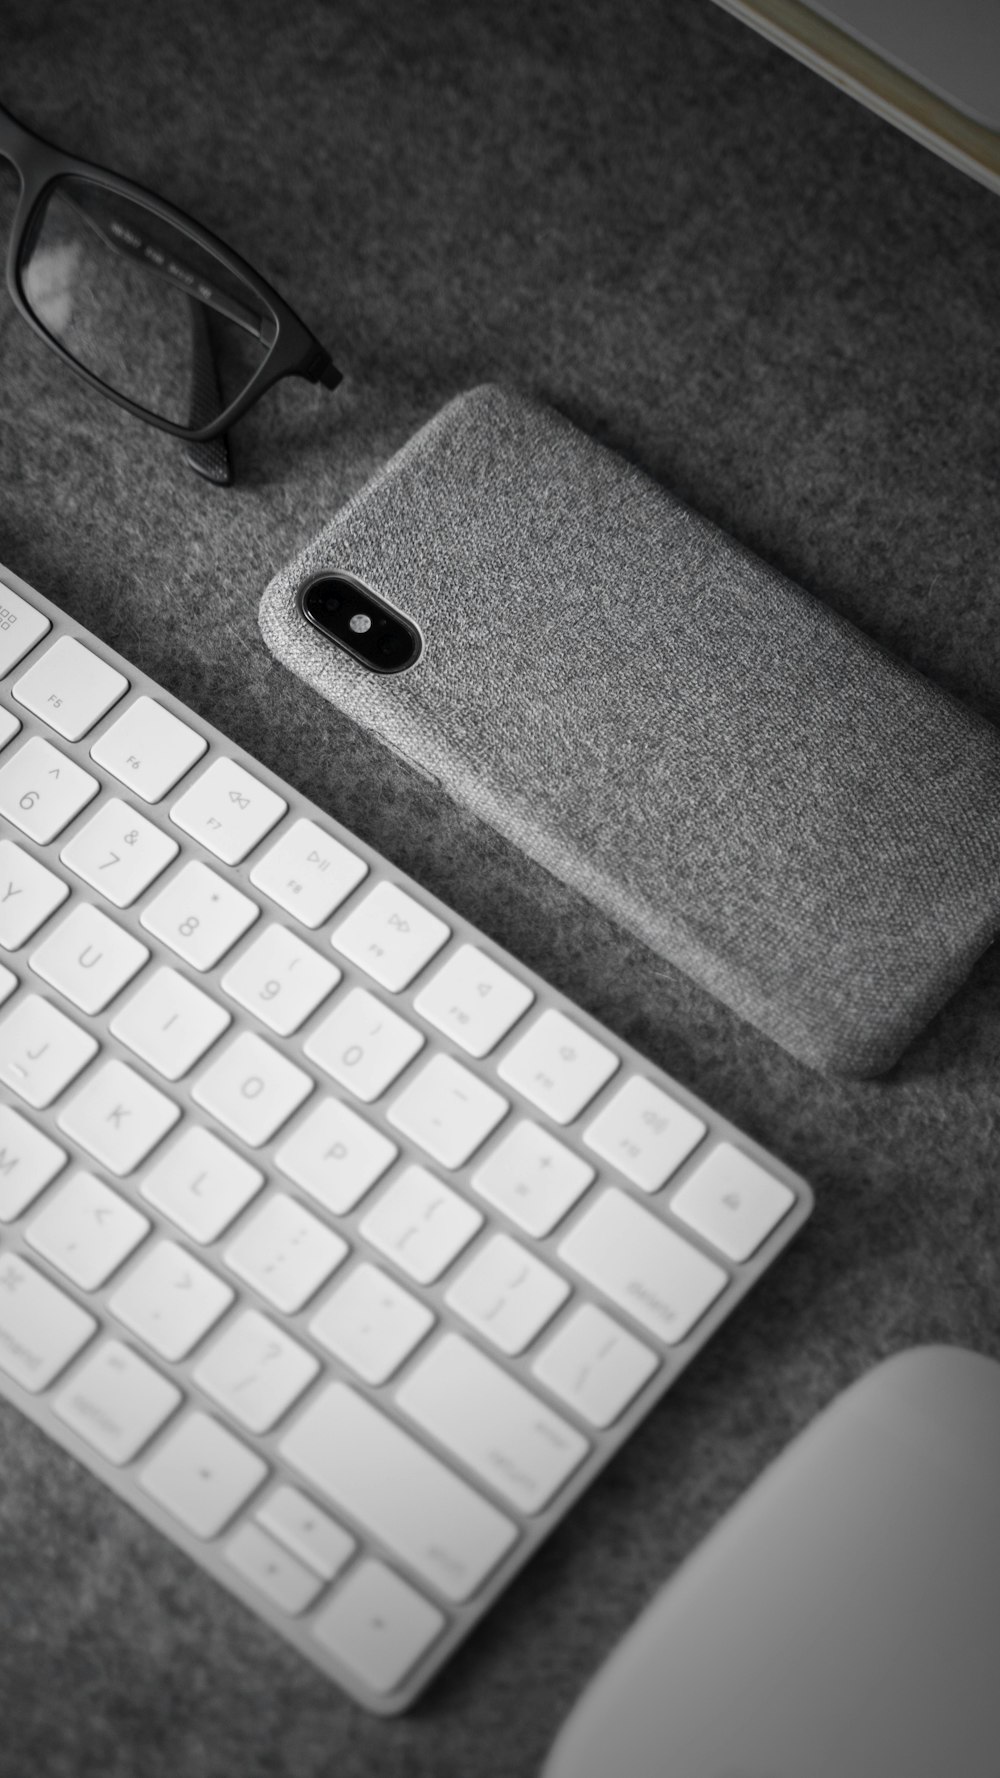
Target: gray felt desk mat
(784,311)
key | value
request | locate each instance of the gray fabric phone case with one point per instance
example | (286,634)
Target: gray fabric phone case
(761,793)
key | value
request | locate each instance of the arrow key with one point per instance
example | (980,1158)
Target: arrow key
(378,1626)
(259,1559)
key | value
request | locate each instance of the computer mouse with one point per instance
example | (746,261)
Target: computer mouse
(843,1619)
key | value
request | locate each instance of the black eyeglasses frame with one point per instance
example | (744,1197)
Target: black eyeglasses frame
(295,352)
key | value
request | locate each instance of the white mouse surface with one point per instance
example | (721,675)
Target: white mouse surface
(843,1620)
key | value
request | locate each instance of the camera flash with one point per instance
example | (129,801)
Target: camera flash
(360,623)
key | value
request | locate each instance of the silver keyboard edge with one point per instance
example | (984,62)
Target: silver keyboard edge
(462,1618)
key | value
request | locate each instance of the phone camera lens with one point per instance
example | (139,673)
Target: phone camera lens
(351,615)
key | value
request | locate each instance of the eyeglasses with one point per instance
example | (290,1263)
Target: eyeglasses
(145,304)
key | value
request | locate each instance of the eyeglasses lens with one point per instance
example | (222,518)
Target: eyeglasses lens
(141,304)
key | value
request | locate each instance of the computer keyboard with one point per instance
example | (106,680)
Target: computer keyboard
(332,1239)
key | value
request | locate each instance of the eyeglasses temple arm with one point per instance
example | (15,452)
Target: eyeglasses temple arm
(14,138)
(207,457)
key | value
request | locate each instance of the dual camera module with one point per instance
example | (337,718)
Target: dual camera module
(349,614)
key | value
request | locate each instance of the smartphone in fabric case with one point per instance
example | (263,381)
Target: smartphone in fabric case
(772,802)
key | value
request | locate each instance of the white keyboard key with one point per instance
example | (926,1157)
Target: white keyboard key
(371,1323)
(558,1066)
(28,893)
(280,979)
(88,958)
(448,1110)
(86,1230)
(202,1474)
(148,749)
(70,688)
(335,1155)
(732,1201)
(21,626)
(9,726)
(255,1371)
(318,1541)
(284,1581)
(308,873)
(201,1184)
(488,1420)
(28,1162)
(252,1088)
(390,935)
(170,1300)
(506,1294)
(228,810)
(643,1133)
(534,1178)
(116,1401)
(285,1253)
(170,1023)
(41,790)
(8,982)
(642,1266)
(377,1626)
(373,1471)
(420,1223)
(41,1050)
(41,1329)
(118,1117)
(199,915)
(594,1365)
(362,1044)
(473,1000)
(119,853)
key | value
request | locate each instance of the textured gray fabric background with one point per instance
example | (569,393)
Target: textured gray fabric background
(746,782)
(785,312)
